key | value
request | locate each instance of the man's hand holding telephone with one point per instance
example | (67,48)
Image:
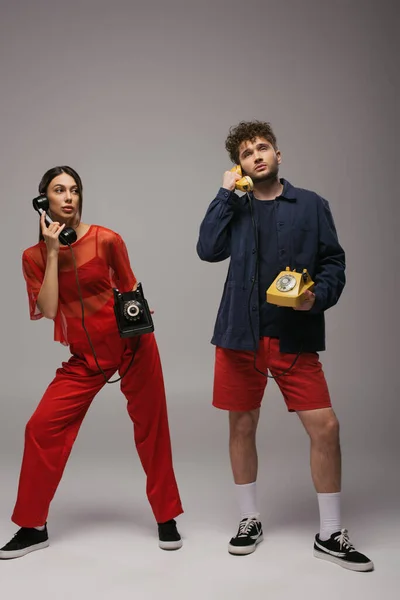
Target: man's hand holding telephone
(234,179)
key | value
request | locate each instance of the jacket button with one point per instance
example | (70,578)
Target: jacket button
(254,307)
(252,279)
(254,251)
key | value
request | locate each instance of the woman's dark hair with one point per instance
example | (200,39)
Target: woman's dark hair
(48,178)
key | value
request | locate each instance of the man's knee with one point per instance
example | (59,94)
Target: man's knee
(327,431)
(243,424)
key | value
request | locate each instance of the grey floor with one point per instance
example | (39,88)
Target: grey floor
(103,537)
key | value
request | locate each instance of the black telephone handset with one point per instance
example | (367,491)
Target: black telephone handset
(68,235)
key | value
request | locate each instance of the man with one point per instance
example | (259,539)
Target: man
(274,227)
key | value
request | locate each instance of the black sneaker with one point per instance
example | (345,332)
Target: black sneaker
(168,535)
(249,534)
(338,549)
(24,541)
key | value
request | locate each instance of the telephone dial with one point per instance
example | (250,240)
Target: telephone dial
(132,313)
(68,234)
(289,287)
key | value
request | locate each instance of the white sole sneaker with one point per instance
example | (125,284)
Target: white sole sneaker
(243,550)
(5,555)
(170,545)
(360,567)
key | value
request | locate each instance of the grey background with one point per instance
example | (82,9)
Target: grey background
(138,98)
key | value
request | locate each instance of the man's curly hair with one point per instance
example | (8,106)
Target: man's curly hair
(248,131)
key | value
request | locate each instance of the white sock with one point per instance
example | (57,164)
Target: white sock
(246,496)
(329,514)
(41,528)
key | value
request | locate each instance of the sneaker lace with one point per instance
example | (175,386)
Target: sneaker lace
(246,526)
(20,534)
(344,541)
(17,538)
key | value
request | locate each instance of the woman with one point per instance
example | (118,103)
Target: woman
(102,264)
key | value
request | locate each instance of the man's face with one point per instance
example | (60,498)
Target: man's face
(259,159)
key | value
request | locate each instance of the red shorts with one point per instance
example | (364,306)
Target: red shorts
(239,387)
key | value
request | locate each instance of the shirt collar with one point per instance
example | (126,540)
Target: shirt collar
(288,192)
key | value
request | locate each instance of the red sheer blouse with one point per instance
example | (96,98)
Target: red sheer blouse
(103,263)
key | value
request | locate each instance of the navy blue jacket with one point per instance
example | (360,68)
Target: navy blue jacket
(307,238)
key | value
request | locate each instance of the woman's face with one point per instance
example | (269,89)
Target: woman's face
(63,196)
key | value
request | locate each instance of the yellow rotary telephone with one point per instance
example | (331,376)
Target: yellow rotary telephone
(289,287)
(246,183)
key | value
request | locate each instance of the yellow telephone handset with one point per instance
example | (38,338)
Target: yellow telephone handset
(289,287)
(246,183)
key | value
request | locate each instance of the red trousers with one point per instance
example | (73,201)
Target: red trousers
(54,426)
